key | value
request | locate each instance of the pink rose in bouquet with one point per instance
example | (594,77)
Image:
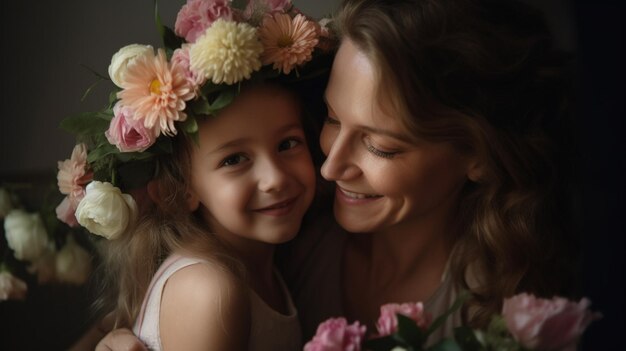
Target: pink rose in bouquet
(73,176)
(197,15)
(336,334)
(128,134)
(388,322)
(544,324)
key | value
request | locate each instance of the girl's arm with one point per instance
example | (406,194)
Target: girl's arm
(204,308)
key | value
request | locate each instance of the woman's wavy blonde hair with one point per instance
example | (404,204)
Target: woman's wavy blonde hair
(482,75)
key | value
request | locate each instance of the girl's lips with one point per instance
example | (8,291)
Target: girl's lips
(278,209)
(354,198)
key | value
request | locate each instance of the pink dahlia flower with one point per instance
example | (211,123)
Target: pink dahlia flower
(388,322)
(336,334)
(128,134)
(197,15)
(181,58)
(544,324)
(72,178)
(287,42)
(156,92)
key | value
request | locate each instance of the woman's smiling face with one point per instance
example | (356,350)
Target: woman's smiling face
(386,177)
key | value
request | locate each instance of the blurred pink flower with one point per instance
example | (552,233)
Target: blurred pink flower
(544,324)
(265,6)
(197,15)
(156,92)
(128,134)
(11,288)
(336,334)
(388,322)
(287,42)
(66,212)
(72,177)
(181,58)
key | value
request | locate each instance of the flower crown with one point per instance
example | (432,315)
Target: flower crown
(216,45)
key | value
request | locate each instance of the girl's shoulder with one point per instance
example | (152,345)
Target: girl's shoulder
(204,306)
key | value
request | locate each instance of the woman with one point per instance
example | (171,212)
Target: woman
(441,139)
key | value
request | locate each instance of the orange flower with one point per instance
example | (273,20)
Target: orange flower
(157,92)
(287,42)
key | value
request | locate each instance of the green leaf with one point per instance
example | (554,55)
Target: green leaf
(466,338)
(410,332)
(209,88)
(446,345)
(239,4)
(225,97)
(200,107)
(384,343)
(88,123)
(101,151)
(438,322)
(170,40)
(190,125)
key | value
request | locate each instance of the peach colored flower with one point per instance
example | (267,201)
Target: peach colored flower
(156,92)
(72,178)
(287,42)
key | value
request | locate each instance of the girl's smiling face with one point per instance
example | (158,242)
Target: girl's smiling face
(386,177)
(252,174)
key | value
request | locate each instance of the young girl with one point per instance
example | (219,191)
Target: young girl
(219,206)
(230,175)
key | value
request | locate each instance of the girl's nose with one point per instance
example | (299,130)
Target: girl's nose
(272,177)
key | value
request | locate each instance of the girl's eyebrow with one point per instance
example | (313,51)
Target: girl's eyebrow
(241,141)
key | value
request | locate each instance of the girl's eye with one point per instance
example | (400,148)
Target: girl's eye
(330,120)
(288,144)
(380,153)
(233,160)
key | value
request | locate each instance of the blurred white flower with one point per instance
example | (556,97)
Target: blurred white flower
(73,263)
(11,288)
(26,235)
(105,210)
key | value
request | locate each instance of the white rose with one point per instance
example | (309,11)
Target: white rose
(123,58)
(6,205)
(73,263)
(105,210)
(11,288)
(26,235)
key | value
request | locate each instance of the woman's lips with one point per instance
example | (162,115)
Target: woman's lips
(355,198)
(278,209)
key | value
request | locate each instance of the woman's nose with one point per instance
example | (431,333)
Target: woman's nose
(340,160)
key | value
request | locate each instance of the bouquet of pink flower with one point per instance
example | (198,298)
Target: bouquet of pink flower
(526,323)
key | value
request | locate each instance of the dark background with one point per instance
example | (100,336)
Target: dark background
(44,43)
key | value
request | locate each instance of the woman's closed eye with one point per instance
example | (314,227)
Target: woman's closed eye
(378,151)
(233,160)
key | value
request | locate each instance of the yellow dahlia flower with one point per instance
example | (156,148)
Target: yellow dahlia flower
(227,52)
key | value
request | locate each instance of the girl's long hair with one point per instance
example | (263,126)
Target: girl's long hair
(483,75)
